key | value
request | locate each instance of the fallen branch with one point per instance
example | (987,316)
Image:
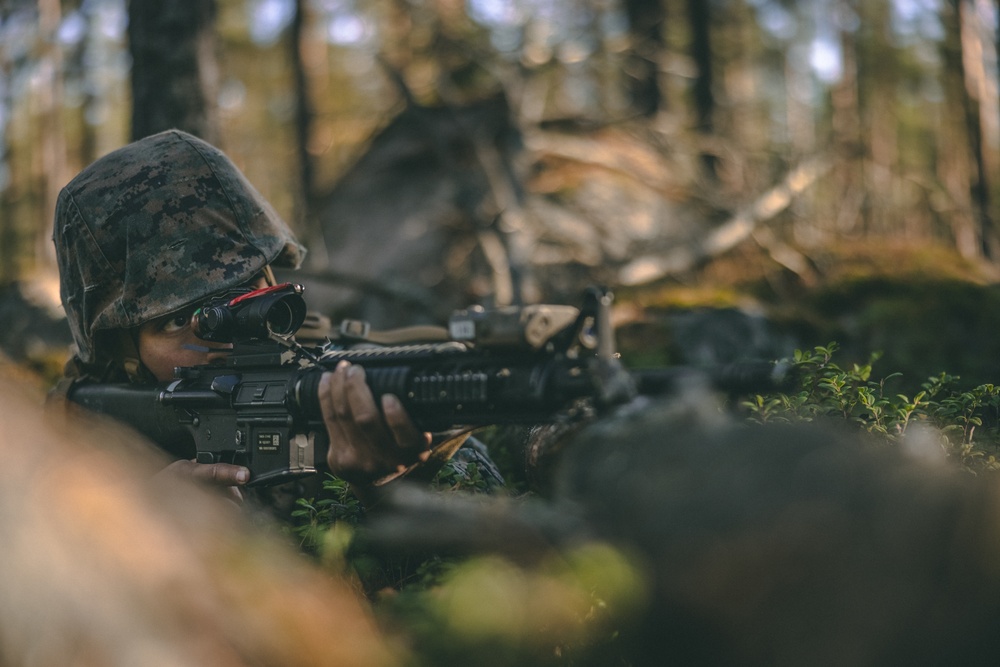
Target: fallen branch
(682,259)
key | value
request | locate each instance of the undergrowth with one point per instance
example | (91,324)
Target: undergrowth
(961,421)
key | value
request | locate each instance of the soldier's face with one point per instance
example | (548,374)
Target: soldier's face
(170,341)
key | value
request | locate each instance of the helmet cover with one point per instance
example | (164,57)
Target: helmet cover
(155,226)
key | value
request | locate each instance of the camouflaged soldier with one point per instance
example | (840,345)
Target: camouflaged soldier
(148,232)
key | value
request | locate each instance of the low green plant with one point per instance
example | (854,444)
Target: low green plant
(966,419)
(324,527)
(314,517)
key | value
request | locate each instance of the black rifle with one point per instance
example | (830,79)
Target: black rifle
(526,365)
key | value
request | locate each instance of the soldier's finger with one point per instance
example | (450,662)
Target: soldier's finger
(220,474)
(324,396)
(337,392)
(365,415)
(341,454)
(405,432)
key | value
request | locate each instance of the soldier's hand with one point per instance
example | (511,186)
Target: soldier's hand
(226,477)
(366,443)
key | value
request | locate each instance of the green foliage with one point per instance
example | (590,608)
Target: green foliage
(325,528)
(315,517)
(964,420)
(455,477)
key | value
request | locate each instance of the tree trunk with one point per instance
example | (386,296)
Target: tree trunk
(53,143)
(174,68)
(972,100)
(704,99)
(9,248)
(878,72)
(642,64)
(305,197)
(959,176)
(845,126)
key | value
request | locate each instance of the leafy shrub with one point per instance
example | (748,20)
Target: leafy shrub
(963,421)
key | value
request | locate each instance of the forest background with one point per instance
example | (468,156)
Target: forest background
(750,176)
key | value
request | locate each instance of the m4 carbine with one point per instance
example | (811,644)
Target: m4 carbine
(514,365)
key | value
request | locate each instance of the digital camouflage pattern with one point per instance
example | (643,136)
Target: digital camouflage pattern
(155,226)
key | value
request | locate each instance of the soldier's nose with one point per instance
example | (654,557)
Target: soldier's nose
(216,354)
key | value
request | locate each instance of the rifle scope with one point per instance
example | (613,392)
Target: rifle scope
(255,315)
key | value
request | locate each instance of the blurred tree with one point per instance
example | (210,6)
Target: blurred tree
(755,88)
(52,140)
(699,18)
(174,69)
(643,67)
(845,132)
(8,239)
(82,77)
(959,149)
(878,65)
(970,69)
(304,197)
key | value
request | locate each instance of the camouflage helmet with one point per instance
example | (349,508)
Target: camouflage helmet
(155,226)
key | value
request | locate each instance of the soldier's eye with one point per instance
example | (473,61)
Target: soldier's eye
(176,322)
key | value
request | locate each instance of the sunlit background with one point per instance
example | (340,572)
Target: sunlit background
(648,136)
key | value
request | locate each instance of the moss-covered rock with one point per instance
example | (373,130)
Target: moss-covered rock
(924,308)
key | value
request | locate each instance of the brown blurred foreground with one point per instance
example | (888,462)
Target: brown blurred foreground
(99,566)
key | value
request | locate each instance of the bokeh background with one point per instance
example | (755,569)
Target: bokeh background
(749,176)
